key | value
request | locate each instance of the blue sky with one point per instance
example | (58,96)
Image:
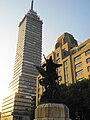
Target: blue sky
(59,16)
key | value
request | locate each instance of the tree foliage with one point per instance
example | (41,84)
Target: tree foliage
(77,97)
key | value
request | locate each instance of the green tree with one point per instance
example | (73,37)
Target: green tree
(77,97)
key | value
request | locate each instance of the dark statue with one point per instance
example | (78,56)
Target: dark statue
(50,80)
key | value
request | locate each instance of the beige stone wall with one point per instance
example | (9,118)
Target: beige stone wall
(81,51)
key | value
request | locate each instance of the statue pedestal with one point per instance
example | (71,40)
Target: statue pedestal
(52,111)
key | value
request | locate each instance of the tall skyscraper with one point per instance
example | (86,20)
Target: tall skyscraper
(22,89)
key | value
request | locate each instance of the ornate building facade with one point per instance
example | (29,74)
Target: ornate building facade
(75,60)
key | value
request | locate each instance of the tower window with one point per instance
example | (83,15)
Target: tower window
(58,60)
(57,54)
(65,63)
(88,60)
(87,52)
(78,65)
(88,68)
(77,58)
(79,73)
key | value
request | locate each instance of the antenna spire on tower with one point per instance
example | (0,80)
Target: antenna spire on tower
(32,5)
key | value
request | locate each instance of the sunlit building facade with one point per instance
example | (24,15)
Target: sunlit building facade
(75,60)
(22,90)
(81,61)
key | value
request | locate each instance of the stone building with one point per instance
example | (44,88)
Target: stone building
(75,60)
